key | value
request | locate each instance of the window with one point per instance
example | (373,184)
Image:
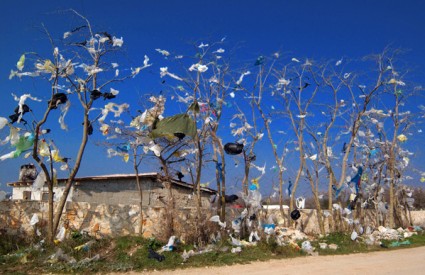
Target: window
(27,195)
(45,196)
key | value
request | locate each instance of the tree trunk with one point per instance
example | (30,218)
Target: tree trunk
(61,204)
(139,187)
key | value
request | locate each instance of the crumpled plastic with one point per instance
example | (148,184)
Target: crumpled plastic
(253,199)
(235,242)
(154,255)
(402,138)
(216,219)
(117,109)
(353,235)
(21,102)
(269,228)
(61,234)
(148,117)
(236,249)
(34,220)
(85,247)
(308,248)
(60,256)
(170,245)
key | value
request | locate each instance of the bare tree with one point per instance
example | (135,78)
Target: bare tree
(83,75)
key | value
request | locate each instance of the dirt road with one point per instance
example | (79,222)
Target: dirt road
(403,261)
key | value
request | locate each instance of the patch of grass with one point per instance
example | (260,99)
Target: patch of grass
(131,253)
(345,244)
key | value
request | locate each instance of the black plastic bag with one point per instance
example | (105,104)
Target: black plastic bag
(295,215)
(233,148)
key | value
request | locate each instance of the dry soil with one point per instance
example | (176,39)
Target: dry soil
(403,261)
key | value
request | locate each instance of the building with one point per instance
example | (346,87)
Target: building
(115,189)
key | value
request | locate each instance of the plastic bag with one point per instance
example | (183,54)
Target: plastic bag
(233,148)
(34,220)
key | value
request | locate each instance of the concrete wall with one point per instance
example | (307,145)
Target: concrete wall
(18,193)
(117,191)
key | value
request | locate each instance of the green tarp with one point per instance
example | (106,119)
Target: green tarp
(181,124)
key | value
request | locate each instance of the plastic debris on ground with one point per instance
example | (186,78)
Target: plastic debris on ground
(308,248)
(236,249)
(187,254)
(60,256)
(154,255)
(323,245)
(397,244)
(85,247)
(333,246)
(170,245)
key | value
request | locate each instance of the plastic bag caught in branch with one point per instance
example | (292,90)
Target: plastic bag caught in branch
(64,111)
(242,76)
(149,116)
(24,143)
(21,102)
(21,62)
(39,181)
(114,108)
(171,127)
(164,71)
(233,148)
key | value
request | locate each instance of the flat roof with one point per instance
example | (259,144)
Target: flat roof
(116,177)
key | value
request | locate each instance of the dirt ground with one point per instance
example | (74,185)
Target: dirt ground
(403,261)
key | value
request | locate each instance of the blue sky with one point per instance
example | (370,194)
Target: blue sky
(314,29)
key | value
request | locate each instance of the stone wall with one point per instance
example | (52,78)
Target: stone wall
(96,219)
(123,219)
(308,222)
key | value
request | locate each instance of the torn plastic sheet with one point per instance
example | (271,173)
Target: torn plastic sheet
(43,148)
(164,71)
(260,169)
(64,111)
(216,219)
(117,109)
(357,179)
(112,153)
(21,102)
(34,219)
(57,99)
(167,127)
(242,76)
(23,144)
(39,181)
